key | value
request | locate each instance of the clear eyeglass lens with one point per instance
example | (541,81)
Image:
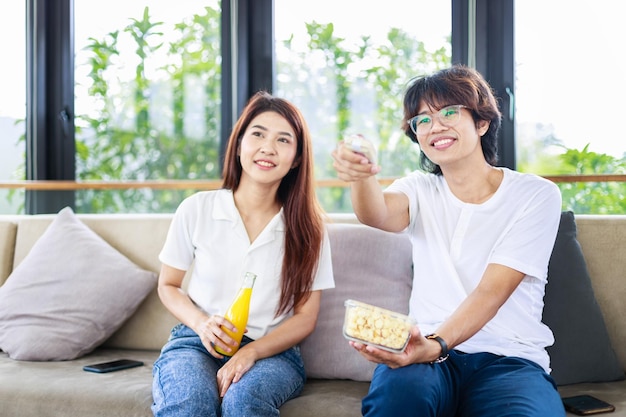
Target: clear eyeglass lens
(448,116)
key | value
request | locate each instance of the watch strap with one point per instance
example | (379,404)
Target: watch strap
(444,347)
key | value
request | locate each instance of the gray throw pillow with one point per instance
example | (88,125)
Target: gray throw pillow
(69,294)
(582,351)
(371,266)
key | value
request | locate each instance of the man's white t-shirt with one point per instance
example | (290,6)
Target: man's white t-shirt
(207,231)
(453,242)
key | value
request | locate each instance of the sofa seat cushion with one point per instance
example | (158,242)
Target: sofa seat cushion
(328,398)
(612,392)
(33,389)
(69,294)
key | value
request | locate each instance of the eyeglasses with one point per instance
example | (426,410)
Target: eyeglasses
(448,116)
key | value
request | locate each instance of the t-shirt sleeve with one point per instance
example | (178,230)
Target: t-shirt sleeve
(528,243)
(409,186)
(178,249)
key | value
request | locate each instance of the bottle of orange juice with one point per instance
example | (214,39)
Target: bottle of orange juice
(238,311)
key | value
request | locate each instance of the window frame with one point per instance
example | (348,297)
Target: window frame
(50,138)
(483,38)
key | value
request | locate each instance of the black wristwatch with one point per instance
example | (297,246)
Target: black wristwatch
(444,347)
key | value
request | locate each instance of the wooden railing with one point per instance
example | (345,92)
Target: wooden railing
(58,185)
(54,185)
(151,184)
(587,178)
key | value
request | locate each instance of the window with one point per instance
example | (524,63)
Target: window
(147,102)
(346,67)
(12,103)
(571,82)
(570,89)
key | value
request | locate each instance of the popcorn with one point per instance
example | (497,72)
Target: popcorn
(376,326)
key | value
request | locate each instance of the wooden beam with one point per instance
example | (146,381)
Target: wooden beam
(215,184)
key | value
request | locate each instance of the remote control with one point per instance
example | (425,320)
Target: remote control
(361,146)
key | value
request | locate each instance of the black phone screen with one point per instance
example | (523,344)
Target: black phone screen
(112,366)
(584,405)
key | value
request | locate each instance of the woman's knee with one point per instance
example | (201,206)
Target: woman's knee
(184,383)
(184,400)
(241,400)
(265,387)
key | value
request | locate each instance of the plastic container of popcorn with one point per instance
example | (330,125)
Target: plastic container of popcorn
(376,326)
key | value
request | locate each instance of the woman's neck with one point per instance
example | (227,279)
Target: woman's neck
(256,208)
(251,198)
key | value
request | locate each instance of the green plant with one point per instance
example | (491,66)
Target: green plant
(114,146)
(599,197)
(344,78)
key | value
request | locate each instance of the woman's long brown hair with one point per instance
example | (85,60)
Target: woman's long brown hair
(303,216)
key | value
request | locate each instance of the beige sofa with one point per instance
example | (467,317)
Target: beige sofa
(370,266)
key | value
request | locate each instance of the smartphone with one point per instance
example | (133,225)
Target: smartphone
(117,365)
(584,405)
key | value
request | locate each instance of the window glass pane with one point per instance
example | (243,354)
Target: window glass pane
(570,89)
(563,73)
(12,103)
(147,97)
(346,67)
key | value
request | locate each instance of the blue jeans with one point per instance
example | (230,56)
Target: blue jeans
(466,385)
(185,381)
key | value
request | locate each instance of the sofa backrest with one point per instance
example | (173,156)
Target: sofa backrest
(370,266)
(8,230)
(140,236)
(603,242)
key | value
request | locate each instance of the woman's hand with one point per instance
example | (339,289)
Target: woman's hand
(212,334)
(208,328)
(352,166)
(235,368)
(288,334)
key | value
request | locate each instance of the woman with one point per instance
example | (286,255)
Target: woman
(482,237)
(264,220)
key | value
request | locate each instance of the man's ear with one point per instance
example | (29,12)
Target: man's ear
(482,127)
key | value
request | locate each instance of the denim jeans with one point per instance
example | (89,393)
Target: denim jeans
(465,385)
(185,381)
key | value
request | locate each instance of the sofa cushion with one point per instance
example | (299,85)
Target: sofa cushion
(63,389)
(369,265)
(140,237)
(70,293)
(582,351)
